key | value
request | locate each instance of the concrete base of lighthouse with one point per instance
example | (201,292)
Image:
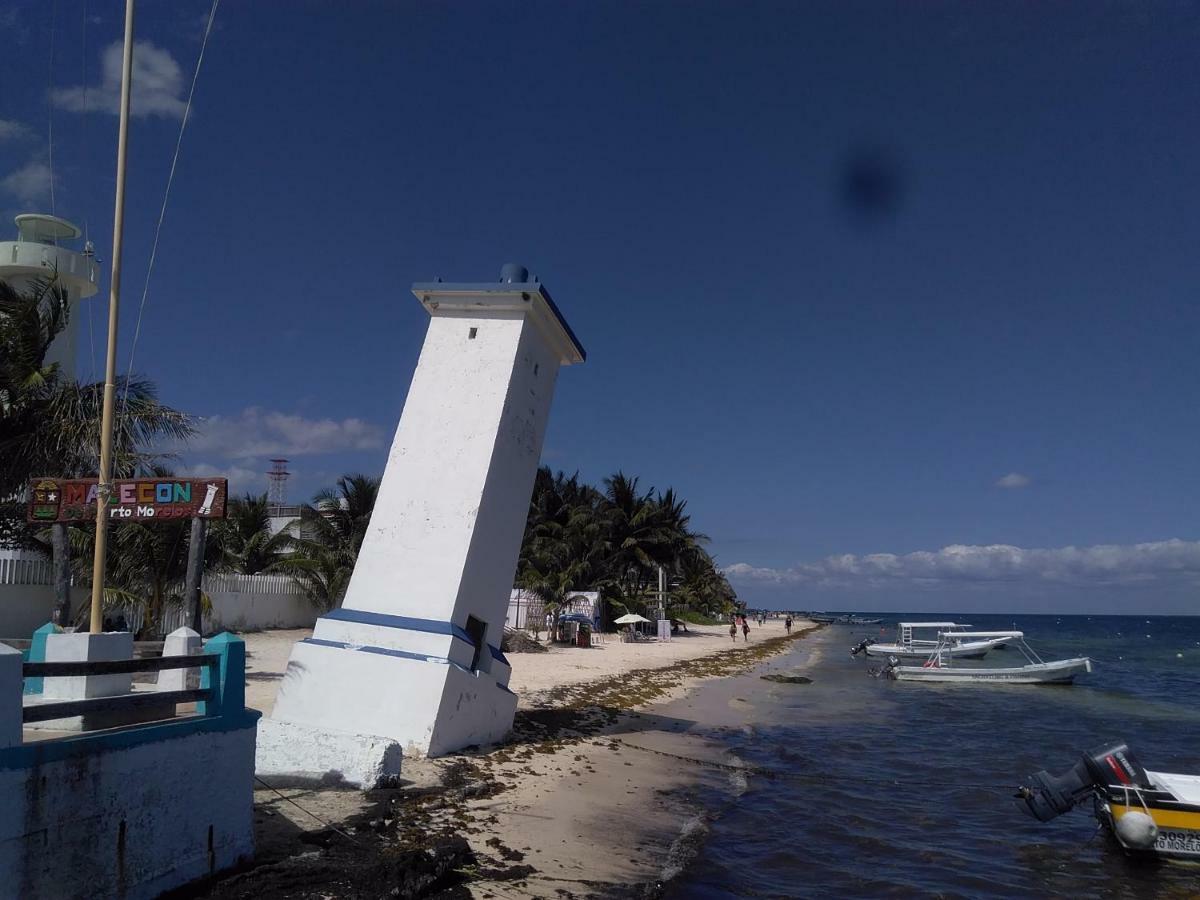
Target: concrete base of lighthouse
(376,680)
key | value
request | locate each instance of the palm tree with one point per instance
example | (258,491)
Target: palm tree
(640,534)
(50,425)
(332,529)
(700,586)
(243,541)
(146,565)
(577,538)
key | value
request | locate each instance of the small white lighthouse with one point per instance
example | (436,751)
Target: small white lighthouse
(39,252)
(413,655)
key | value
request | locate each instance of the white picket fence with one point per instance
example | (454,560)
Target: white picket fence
(249,584)
(25,571)
(239,602)
(248,602)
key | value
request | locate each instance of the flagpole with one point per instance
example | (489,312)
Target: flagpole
(110,370)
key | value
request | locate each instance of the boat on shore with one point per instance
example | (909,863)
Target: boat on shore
(910,645)
(1153,814)
(939,666)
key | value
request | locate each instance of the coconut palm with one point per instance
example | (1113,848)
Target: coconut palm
(578,538)
(50,425)
(321,558)
(145,568)
(242,541)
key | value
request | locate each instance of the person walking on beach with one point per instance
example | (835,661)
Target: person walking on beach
(787,623)
(745,629)
(733,628)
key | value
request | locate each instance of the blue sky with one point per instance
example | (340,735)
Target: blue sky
(864,281)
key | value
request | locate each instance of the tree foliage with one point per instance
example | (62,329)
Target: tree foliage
(50,424)
(320,558)
(242,542)
(579,537)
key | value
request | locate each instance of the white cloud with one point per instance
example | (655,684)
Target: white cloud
(1014,480)
(1100,565)
(14,131)
(157,85)
(30,184)
(256,432)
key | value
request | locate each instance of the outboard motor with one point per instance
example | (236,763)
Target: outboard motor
(861,646)
(1048,796)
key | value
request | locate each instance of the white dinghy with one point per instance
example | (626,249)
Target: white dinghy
(939,667)
(908,645)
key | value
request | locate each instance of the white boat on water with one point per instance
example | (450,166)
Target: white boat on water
(939,666)
(910,645)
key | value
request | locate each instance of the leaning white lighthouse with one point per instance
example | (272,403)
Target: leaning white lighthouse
(40,251)
(413,654)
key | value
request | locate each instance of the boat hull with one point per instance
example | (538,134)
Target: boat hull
(974,650)
(1178,820)
(1058,672)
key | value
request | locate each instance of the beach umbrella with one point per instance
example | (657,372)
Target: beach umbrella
(630,619)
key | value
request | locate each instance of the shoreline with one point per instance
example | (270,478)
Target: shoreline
(565,806)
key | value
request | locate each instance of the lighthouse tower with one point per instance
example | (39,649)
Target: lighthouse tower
(412,658)
(40,252)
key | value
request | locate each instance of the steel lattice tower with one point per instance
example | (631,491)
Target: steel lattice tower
(277,482)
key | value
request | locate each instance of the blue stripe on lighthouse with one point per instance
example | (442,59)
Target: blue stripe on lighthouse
(429,626)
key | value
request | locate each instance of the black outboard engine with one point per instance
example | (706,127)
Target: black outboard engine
(861,646)
(1048,796)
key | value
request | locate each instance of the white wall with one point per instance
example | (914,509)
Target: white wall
(130,822)
(240,602)
(522,605)
(250,602)
(24,607)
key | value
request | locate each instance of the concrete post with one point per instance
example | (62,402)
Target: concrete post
(37,653)
(10,697)
(195,570)
(230,686)
(60,546)
(79,647)
(180,642)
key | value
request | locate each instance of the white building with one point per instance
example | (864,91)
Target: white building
(526,610)
(40,251)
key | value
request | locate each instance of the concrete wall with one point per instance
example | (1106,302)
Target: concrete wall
(130,822)
(250,602)
(131,812)
(24,607)
(240,602)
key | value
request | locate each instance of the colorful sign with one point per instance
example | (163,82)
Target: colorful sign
(132,500)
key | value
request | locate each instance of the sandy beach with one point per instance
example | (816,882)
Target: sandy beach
(588,797)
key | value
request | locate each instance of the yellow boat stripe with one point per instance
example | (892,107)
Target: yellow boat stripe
(1164,818)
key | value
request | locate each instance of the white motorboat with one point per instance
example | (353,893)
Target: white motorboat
(939,666)
(1148,813)
(916,640)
